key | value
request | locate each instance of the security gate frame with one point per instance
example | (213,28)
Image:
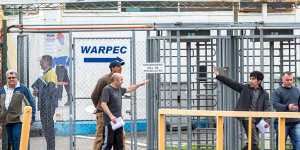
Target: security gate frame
(271,53)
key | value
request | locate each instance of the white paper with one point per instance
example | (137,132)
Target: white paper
(90,109)
(261,126)
(119,123)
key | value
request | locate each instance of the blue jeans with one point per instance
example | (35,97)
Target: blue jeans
(293,131)
(14,134)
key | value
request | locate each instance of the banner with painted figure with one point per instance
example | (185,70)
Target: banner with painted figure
(56,45)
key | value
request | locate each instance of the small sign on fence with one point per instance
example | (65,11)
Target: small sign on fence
(154,68)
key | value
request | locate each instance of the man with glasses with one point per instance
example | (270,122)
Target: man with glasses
(14,96)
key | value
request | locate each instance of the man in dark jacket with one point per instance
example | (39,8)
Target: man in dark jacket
(252,98)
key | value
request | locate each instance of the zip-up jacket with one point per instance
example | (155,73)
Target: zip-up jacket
(21,97)
(47,89)
(244,102)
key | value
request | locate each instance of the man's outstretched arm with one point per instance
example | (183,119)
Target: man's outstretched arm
(227,81)
(134,87)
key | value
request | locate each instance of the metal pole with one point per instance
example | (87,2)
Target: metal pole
(261,40)
(4,51)
(27,59)
(171,88)
(189,95)
(219,64)
(242,80)
(4,69)
(73,91)
(149,96)
(157,96)
(198,95)
(178,87)
(20,49)
(133,98)
(132,127)
(272,87)
(134,94)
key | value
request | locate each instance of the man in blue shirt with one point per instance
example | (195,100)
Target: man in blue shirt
(285,99)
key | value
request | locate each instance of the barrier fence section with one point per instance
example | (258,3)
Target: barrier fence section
(220,117)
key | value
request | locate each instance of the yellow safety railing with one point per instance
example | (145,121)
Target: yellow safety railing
(25,128)
(219,116)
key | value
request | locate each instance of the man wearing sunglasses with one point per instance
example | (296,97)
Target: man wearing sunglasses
(14,96)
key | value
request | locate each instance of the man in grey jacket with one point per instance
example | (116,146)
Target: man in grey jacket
(285,99)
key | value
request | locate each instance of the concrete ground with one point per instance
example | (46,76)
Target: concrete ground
(83,142)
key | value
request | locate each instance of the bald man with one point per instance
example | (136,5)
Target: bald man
(111,103)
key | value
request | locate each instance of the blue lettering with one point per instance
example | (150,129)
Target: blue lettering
(94,50)
(108,48)
(123,49)
(101,49)
(116,50)
(85,49)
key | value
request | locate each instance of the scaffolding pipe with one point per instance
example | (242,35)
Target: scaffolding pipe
(27,2)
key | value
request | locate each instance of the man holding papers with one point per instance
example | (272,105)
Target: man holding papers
(253,97)
(111,103)
(285,99)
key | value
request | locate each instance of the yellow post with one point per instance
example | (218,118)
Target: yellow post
(25,128)
(281,133)
(249,133)
(161,131)
(219,133)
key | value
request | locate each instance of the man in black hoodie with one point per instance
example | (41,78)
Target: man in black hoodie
(252,98)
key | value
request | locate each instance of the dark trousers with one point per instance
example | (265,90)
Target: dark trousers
(254,135)
(14,134)
(46,115)
(112,138)
(62,76)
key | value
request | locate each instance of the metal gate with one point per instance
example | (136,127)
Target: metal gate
(189,83)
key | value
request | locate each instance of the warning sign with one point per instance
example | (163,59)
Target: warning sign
(154,68)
